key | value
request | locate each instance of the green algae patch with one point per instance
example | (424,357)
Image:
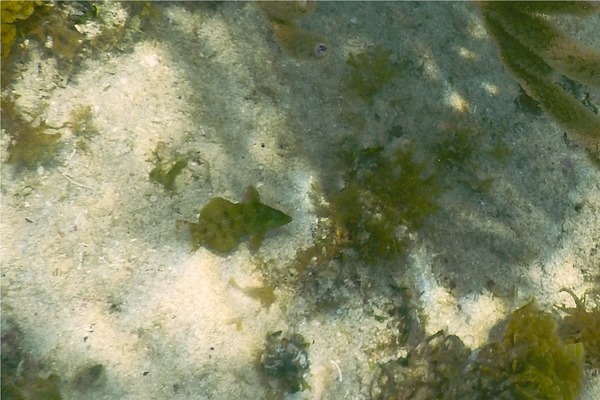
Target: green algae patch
(461,151)
(23,377)
(223,225)
(36,388)
(166,175)
(265,295)
(167,167)
(529,362)
(532,361)
(386,198)
(31,144)
(370,72)
(581,325)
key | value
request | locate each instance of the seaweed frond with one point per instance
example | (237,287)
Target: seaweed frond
(536,52)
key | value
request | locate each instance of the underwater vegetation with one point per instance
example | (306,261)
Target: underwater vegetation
(165,170)
(52,24)
(35,388)
(33,142)
(370,71)
(430,371)
(582,326)
(11,12)
(22,378)
(223,225)
(458,152)
(68,30)
(265,295)
(282,17)
(530,362)
(537,53)
(388,195)
(30,145)
(284,362)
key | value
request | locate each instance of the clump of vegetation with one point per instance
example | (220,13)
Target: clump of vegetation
(432,370)
(167,167)
(30,145)
(22,378)
(284,362)
(265,295)
(457,148)
(530,362)
(458,151)
(582,326)
(34,142)
(33,388)
(370,72)
(81,122)
(51,24)
(387,197)
(11,13)
(537,53)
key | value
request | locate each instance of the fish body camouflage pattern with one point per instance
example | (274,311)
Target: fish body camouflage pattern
(223,225)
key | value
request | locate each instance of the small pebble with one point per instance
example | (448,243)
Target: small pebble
(26,191)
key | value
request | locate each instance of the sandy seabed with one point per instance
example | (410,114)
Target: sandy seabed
(95,269)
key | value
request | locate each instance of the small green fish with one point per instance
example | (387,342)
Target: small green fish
(223,225)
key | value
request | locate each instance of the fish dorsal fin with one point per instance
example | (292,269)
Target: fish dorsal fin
(252,195)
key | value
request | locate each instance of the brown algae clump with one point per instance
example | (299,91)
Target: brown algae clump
(223,225)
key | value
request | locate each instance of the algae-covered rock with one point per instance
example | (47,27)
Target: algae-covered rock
(285,361)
